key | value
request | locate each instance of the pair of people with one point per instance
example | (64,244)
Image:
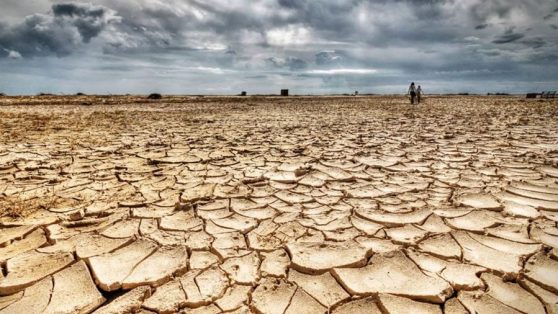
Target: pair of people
(415,92)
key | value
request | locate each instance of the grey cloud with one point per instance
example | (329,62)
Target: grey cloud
(90,20)
(332,19)
(483,10)
(296,64)
(329,58)
(60,32)
(549,58)
(535,43)
(290,63)
(292,4)
(79,10)
(551,15)
(261,76)
(508,37)
(393,40)
(4,53)
(543,59)
(492,53)
(144,29)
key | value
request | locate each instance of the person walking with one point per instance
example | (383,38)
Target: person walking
(419,94)
(412,92)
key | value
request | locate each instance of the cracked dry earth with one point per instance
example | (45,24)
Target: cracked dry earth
(278,205)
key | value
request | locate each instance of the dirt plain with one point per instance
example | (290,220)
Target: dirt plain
(278,205)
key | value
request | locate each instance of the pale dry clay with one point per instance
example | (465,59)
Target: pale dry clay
(278,205)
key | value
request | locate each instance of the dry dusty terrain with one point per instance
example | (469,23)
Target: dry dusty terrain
(278,205)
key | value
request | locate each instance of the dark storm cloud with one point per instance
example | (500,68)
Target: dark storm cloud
(508,38)
(307,43)
(291,4)
(534,43)
(89,20)
(148,25)
(58,32)
(551,15)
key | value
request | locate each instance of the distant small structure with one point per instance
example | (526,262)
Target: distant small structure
(532,95)
(356,93)
(243,93)
(284,92)
(155,96)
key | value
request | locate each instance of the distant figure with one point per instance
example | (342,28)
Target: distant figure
(413,92)
(419,94)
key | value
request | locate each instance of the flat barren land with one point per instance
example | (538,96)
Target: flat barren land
(278,205)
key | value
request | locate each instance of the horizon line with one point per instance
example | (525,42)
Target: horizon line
(43,94)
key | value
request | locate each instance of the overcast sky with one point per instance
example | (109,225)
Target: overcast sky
(261,46)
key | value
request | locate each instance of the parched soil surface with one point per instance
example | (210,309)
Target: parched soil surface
(278,205)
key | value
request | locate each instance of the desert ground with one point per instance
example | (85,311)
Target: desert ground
(278,205)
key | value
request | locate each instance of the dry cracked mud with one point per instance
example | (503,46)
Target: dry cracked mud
(278,205)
